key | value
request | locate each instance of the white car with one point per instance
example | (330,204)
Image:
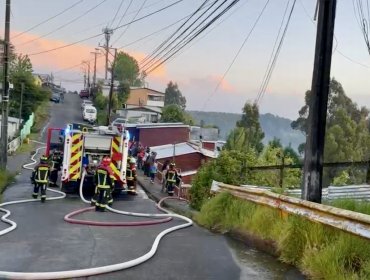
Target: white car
(85,103)
(89,114)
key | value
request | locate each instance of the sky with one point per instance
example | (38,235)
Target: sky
(199,68)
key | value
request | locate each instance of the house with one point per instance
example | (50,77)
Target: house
(37,80)
(13,126)
(154,134)
(143,105)
(204,133)
(188,158)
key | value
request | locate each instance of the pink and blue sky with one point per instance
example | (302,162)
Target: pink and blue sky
(198,69)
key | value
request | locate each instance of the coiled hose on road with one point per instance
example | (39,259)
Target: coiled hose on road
(95,270)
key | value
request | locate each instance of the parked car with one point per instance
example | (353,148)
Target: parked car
(89,114)
(86,103)
(84,93)
(119,123)
(55,97)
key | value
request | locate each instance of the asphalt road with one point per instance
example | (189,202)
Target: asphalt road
(44,242)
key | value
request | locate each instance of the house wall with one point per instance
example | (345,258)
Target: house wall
(12,129)
(209,146)
(141,96)
(163,135)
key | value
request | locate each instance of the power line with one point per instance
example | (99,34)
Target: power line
(128,26)
(149,63)
(178,47)
(48,19)
(115,16)
(272,65)
(174,33)
(128,44)
(336,50)
(64,25)
(124,14)
(237,53)
(97,35)
(274,47)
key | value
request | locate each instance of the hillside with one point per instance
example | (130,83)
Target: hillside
(273,126)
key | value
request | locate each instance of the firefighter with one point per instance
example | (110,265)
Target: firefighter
(55,165)
(104,180)
(131,175)
(171,178)
(40,177)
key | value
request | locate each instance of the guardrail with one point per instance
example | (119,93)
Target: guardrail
(345,220)
(14,145)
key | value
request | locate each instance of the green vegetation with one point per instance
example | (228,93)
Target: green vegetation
(172,95)
(347,134)
(319,251)
(33,96)
(272,126)
(41,114)
(5,179)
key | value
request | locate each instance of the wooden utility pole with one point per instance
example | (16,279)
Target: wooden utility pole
(94,75)
(5,93)
(313,162)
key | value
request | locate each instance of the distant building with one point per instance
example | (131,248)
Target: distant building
(154,134)
(143,105)
(188,158)
(13,127)
(203,133)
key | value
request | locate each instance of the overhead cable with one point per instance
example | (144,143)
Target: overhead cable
(64,25)
(238,52)
(272,65)
(182,44)
(48,19)
(97,35)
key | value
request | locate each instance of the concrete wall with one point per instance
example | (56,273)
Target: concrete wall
(12,129)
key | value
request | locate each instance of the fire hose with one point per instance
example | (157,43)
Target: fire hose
(95,270)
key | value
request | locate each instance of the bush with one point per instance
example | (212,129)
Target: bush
(5,179)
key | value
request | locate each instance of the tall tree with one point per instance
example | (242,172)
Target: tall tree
(127,70)
(347,130)
(252,129)
(174,96)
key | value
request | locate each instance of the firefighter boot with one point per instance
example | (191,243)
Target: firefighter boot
(43,199)
(34,195)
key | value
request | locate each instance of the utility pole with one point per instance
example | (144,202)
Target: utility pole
(313,162)
(94,76)
(85,79)
(111,87)
(5,93)
(20,106)
(107,32)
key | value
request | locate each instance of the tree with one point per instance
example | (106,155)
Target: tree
(250,132)
(174,96)
(172,113)
(347,131)
(21,72)
(127,70)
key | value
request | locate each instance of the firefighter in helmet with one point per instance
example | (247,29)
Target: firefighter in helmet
(55,165)
(104,180)
(171,178)
(131,175)
(39,178)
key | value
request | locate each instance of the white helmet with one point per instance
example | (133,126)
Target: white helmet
(133,160)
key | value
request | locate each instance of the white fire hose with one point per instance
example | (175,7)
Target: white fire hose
(95,270)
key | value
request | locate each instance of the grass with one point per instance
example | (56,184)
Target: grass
(319,251)
(5,179)
(41,114)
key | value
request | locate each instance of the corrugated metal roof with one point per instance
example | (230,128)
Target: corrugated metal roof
(165,151)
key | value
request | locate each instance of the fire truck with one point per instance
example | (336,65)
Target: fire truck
(84,147)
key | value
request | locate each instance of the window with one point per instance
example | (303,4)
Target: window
(155,98)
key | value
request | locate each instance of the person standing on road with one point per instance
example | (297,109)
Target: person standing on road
(165,167)
(153,171)
(131,176)
(104,180)
(55,165)
(39,178)
(171,178)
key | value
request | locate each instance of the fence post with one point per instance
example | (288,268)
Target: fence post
(282,171)
(368,173)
